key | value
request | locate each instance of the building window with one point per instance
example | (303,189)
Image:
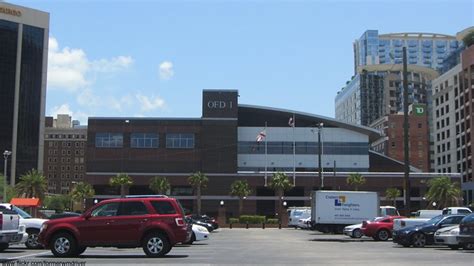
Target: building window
(109,140)
(180,141)
(144,140)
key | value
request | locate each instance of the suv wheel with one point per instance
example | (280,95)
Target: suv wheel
(419,240)
(469,246)
(382,235)
(32,241)
(156,245)
(63,245)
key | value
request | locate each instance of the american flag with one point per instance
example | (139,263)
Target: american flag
(291,122)
(261,136)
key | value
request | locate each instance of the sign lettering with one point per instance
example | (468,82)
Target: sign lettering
(9,11)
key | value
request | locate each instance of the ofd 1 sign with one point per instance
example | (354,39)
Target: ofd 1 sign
(218,104)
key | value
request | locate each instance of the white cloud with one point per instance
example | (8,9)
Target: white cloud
(88,98)
(166,70)
(70,69)
(150,103)
(62,109)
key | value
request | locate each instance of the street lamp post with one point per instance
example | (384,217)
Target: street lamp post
(320,149)
(5,156)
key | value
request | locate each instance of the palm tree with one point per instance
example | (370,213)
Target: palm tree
(32,185)
(444,192)
(123,181)
(355,179)
(198,181)
(280,183)
(468,40)
(240,189)
(81,192)
(392,194)
(159,185)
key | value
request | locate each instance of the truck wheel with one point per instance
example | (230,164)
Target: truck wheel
(356,233)
(3,246)
(156,245)
(382,235)
(418,240)
(32,241)
(63,245)
(469,246)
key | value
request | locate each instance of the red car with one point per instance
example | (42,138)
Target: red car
(380,229)
(155,224)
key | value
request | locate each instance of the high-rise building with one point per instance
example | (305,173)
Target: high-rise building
(377,91)
(23,61)
(423,49)
(64,153)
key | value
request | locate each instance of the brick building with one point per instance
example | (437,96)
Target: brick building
(64,153)
(222,144)
(392,144)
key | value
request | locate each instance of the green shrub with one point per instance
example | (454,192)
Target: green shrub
(252,219)
(233,220)
(272,221)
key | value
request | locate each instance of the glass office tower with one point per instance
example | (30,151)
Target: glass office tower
(423,49)
(23,60)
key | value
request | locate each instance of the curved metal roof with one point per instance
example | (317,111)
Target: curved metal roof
(307,119)
(411,35)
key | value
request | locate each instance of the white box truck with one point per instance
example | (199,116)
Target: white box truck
(331,211)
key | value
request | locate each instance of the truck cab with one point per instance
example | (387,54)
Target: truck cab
(9,228)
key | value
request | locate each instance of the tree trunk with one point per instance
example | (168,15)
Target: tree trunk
(123,190)
(241,206)
(280,203)
(198,198)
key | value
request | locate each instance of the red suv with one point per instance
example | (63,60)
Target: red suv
(380,229)
(156,224)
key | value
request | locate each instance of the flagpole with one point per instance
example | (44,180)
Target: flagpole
(294,151)
(266,160)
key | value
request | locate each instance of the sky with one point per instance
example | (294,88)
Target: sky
(153,58)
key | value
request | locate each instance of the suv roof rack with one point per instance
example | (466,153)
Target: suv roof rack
(146,196)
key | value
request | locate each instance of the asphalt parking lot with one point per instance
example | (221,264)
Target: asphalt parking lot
(269,246)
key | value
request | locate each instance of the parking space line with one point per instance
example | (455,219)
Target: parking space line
(30,255)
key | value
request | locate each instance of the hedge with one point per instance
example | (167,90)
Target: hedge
(251,219)
(272,221)
(233,220)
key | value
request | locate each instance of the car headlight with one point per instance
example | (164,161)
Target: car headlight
(454,232)
(22,229)
(202,229)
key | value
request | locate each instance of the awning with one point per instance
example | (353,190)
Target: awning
(25,202)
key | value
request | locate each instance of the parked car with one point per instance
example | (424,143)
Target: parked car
(423,234)
(297,213)
(200,233)
(422,216)
(354,231)
(466,231)
(448,236)
(206,219)
(155,224)
(379,229)
(32,225)
(64,215)
(304,223)
(456,210)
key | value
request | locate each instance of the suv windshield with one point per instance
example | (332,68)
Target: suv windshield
(21,212)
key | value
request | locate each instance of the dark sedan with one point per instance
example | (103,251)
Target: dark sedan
(423,234)
(206,219)
(466,230)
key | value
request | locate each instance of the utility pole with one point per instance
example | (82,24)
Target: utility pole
(320,171)
(406,178)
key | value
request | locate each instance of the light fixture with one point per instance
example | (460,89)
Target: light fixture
(284,203)
(221,203)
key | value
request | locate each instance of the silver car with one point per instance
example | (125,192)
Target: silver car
(447,236)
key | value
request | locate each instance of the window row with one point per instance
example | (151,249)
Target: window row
(145,140)
(286,147)
(65,136)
